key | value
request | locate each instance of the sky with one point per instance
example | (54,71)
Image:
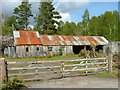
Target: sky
(70,10)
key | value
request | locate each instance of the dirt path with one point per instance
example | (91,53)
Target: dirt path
(77,82)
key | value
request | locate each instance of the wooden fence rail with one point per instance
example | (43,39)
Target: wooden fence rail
(40,62)
(59,67)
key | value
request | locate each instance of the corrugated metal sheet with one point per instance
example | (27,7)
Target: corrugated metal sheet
(16,34)
(33,37)
(26,37)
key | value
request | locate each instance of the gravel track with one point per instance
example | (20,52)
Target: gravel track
(77,82)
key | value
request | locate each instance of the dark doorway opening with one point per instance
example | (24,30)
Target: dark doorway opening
(88,47)
(99,47)
(77,49)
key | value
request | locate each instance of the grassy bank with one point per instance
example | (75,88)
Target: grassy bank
(113,74)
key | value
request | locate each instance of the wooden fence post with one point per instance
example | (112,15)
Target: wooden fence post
(110,63)
(3,67)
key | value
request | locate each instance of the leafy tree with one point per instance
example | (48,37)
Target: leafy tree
(110,25)
(0,29)
(8,25)
(69,28)
(80,29)
(22,13)
(6,30)
(46,23)
(10,21)
(105,25)
(94,26)
(115,30)
(0,24)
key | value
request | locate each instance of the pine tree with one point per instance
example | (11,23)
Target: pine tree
(86,16)
(46,23)
(22,13)
(85,22)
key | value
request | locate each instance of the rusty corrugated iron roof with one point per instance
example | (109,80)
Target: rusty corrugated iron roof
(33,37)
(26,37)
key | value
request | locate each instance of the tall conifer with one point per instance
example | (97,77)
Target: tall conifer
(46,23)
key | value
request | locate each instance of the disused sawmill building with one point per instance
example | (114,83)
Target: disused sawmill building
(32,44)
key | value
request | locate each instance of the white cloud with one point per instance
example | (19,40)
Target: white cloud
(65,17)
(31,26)
(69,6)
(66,6)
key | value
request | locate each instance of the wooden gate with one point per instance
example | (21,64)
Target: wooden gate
(42,70)
(85,66)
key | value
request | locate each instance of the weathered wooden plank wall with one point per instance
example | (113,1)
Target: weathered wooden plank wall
(34,50)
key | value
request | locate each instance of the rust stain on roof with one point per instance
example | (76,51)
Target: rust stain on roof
(27,37)
(33,38)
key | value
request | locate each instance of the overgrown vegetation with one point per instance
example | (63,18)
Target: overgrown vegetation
(13,84)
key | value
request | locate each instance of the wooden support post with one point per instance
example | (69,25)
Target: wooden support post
(110,63)
(3,69)
(85,52)
(94,51)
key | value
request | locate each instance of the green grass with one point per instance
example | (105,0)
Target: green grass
(43,58)
(113,74)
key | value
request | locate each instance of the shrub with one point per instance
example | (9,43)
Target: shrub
(13,84)
(49,56)
(60,52)
(5,55)
(55,54)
